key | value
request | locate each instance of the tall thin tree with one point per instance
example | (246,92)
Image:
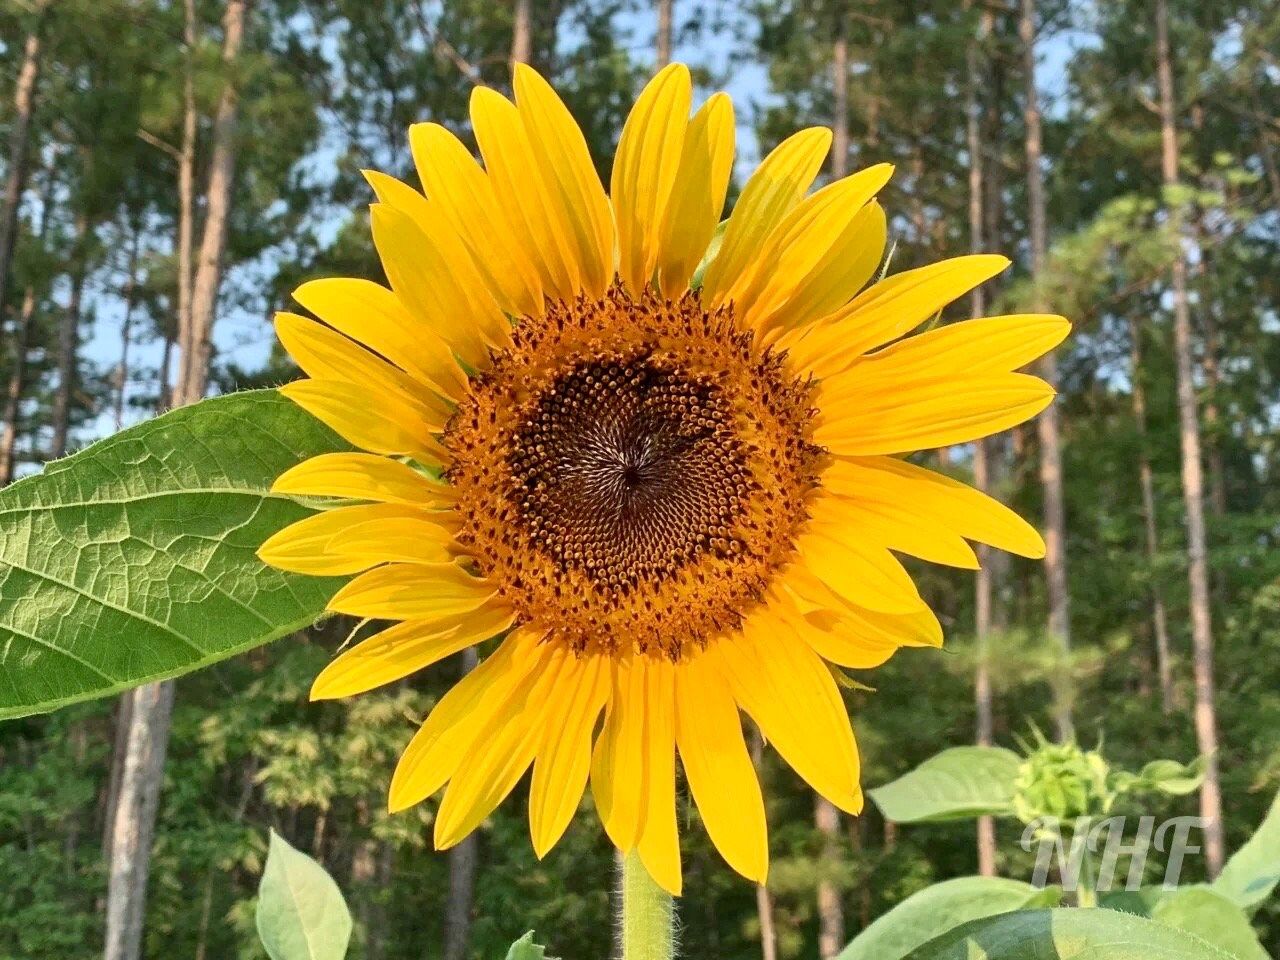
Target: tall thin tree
(1206,723)
(984,588)
(663,39)
(1047,425)
(24,104)
(150,707)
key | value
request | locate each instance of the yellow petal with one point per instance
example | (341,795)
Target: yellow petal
(971,347)
(850,261)
(412,591)
(893,523)
(374,316)
(437,282)
(444,741)
(644,170)
(560,152)
(363,417)
(618,762)
(564,759)
(867,632)
(325,354)
(503,749)
(718,767)
(463,194)
(396,540)
(878,418)
(835,636)
(407,648)
(769,195)
(303,547)
(697,200)
(659,843)
(863,573)
(523,191)
(938,502)
(362,476)
(789,692)
(801,244)
(886,311)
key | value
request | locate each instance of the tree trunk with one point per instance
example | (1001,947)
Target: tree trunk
(984,592)
(222,165)
(840,98)
(130,288)
(69,343)
(462,872)
(135,814)
(764,899)
(17,385)
(1159,616)
(186,182)
(1192,476)
(522,31)
(24,100)
(1055,533)
(663,39)
(151,705)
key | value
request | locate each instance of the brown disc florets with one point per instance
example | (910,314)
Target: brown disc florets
(632,471)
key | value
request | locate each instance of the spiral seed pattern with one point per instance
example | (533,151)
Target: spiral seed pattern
(632,471)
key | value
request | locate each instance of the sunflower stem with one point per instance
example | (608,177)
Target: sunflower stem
(647,914)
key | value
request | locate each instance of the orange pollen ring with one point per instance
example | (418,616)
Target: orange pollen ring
(633,471)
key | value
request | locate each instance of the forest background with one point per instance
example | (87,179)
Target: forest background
(175,167)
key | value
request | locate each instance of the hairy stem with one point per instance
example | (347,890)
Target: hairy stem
(647,914)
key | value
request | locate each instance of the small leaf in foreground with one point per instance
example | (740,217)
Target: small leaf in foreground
(526,949)
(301,914)
(955,784)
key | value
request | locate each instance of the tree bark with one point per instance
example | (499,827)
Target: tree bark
(135,814)
(663,39)
(151,706)
(764,899)
(69,343)
(1146,480)
(983,587)
(462,872)
(1192,476)
(840,97)
(186,181)
(1047,426)
(222,165)
(522,32)
(17,386)
(126,324)
(24,101)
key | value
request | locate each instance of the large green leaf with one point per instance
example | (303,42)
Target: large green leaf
(939,908)
(1067,934)
(1213,917)
(526,949)
(1251,873)
(301,914)
(957,783)
(134,559)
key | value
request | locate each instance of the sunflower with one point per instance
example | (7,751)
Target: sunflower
(672,493)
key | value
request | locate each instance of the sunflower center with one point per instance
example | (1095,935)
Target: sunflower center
(632,472)
(631,469)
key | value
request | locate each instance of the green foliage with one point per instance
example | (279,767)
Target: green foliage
(958,783)
(150,537)
(526,949)
(1200,911)
(939,908)
(301,914)
(1251,874)
(1067,934)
